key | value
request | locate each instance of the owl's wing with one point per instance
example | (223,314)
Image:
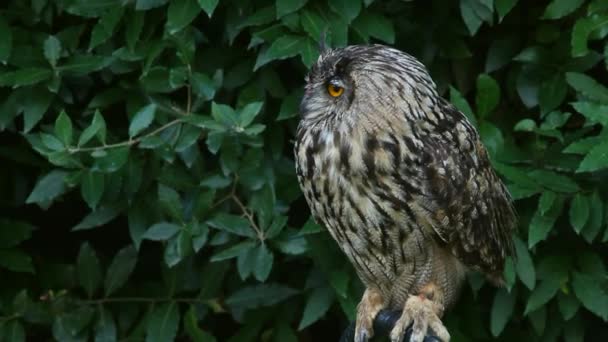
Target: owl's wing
(465,202)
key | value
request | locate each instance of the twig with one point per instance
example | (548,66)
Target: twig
(129,142)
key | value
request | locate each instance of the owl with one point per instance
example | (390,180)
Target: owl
(402,182)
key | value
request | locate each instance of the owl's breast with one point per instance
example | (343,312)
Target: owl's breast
(351,188)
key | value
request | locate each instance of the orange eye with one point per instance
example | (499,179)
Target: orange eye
(334,90)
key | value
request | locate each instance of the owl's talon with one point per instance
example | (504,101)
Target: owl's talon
(423,313)
(368,308)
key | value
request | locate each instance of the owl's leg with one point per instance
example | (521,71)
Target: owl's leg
(371,303)
(424,311)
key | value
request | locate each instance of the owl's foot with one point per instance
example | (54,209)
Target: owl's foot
(424,313)
(371,303)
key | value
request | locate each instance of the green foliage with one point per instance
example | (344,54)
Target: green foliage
(149,191)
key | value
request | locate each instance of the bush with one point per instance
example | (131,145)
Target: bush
(148,180)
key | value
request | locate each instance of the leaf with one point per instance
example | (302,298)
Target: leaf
(248,113)
(34,110)
(541,294)
(12,331)
(88,269)
(596,159)
(503,7)
(587,86)
(52,49)
(234,251)
(282,48)
(29,76)
(120,269)
(317,305)
(96,128)
(471,19)
(263,259)
(63,128)
(191,325)
(208,6)
(581,31)
(232,224)
(149,4)
(596,218)
(92,188)
(249,297)
(98,217)
(111,160)
(105,327)
(285,7)
(524,265)
(104,29)
(171,201)
(502,310)
(488,95)
(16,260)
(163,323)
(13,232)
(461,104)
(376,26)
(142,119)
(552,93)
(347,9)
(579,212)
(594,112)
(561,8)
(180,14)
(162,231)
(48,188)
(589,291)
(541,224)
(6,44)
(313,24)
(568,305)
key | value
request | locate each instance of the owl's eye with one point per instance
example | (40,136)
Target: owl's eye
(334,90)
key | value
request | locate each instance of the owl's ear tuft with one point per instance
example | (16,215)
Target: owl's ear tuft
(342,65)
(323,46)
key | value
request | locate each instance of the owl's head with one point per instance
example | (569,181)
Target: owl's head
(365,80)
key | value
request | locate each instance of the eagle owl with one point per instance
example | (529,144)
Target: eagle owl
(403,184)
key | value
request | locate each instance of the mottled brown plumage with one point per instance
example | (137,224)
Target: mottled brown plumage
(402,182)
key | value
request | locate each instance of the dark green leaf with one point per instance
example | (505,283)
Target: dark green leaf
(541,294)
(461,103)
(208,6)
(260,295)
(96,128)
(16,260)
(376,26)
(105,327)
(6,45)
(161,231)
(524,265)
(232,224)
(52,49)
(88,268)
(163,323)
(568,305)
(111,160)
(63,128)
(92,188)
(120,269)
(48,188)
(180,14)
(317,304)
(283,47)
(541,224)
(98,217)
(488,95)
(581,31)
(579,212)
(347,9)
(14,232)
(234,251)
(13,331)
(502,309)
(104,29)
(191,325)
(596,159)
(263,259)
(29,76)
(589,291)
(149,4)
(560,8)
(592,111)
(587,86)
(142,119)
(285,7)
(503,7)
